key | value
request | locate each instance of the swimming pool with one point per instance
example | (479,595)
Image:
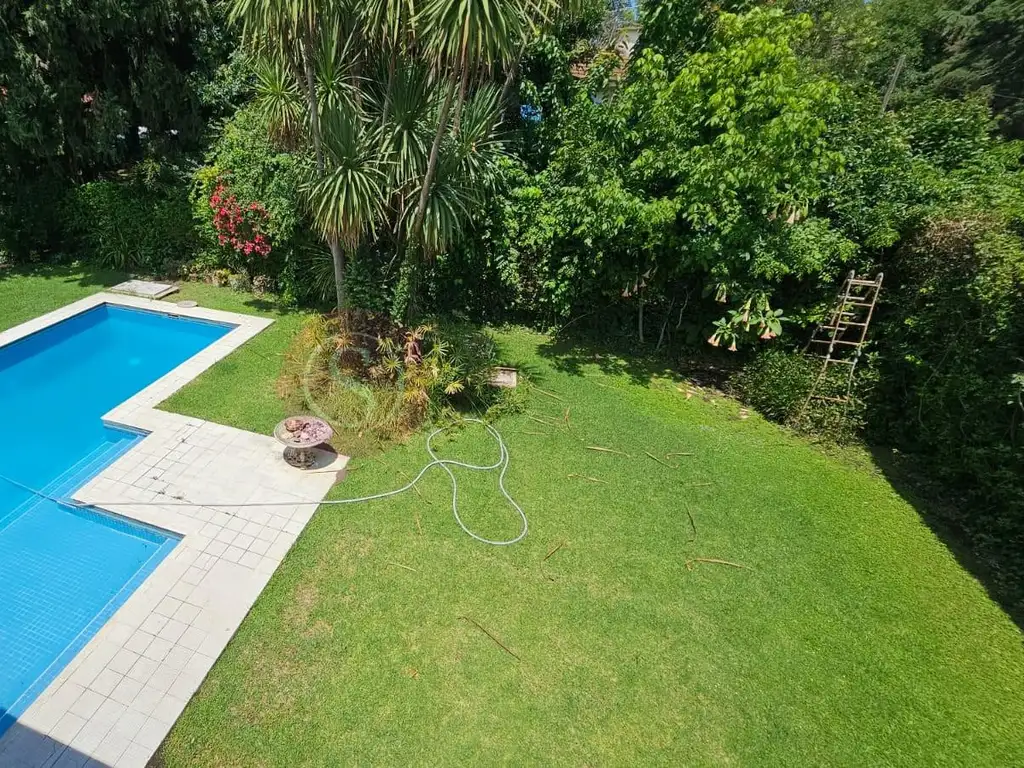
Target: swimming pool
(66,570)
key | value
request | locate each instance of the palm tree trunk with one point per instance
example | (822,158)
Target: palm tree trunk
(435,151)
(416,235)
(312,103)
(463,87)
(337,255)
(510,78)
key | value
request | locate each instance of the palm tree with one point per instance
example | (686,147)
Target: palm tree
(466,37)
(287,35)
(388,99)
(347,199)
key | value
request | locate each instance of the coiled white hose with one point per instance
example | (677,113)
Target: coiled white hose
(445,464)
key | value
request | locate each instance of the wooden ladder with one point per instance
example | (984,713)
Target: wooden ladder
(841,340)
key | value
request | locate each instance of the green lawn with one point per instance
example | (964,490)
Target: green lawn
(852,638)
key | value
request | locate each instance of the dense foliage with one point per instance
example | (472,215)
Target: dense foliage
(86,87)
(140,221)
(704,177)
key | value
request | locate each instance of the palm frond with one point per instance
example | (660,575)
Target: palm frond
(278,100)
(406,130)
(346,202)
(480,142)
(475,33)
(334,63)
(388,23)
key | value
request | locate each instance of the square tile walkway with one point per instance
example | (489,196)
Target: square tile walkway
(118,698)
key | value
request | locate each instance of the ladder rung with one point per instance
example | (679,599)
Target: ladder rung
(863,282)
(859,304)
(843,325)
(837,341)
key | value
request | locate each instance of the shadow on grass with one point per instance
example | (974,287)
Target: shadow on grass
(572,354)
(271,305)
(83,275)
(909,478)
(933,503)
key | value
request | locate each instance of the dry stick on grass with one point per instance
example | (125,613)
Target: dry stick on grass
(501,645)
(693,525)
(663,463)
(689,563)
(698,485)
(404,476)
(608,450)
(399,565)
(549,554)
(569,427)
(538,434)
(542,421)
(591,479)
(669,455)
(549,394)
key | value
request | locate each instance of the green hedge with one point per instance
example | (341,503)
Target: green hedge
(139,222)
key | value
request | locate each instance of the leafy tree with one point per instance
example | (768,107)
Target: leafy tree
(79,79)
(692,181)
(985,44)
(82,85)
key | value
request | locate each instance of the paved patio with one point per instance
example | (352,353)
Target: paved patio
(117,700)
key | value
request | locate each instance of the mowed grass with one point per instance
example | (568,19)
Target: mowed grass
(26,293)
(851,637)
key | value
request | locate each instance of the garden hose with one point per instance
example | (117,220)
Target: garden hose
(446,464)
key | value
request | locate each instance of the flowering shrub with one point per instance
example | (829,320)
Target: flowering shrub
(241,227)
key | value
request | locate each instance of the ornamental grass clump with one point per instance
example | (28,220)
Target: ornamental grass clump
(365,373)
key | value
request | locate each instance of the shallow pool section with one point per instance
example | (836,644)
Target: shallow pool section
(67,570)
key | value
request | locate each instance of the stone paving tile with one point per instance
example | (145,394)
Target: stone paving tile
(119,697)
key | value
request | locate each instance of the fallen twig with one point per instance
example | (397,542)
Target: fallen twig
(690,562)
(677,454)
(542,421)
(568,425)
(585,477)
(416,517)
(404,476)
(549,394)
(663,463)
(399,565)
(538,434)
(549,554)
(693,525)
(607,450)
(496,640)
(698,485)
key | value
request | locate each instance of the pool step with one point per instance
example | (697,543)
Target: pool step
(73,478)
(86,468)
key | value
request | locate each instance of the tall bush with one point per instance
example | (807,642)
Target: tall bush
(245,167)
(139,221)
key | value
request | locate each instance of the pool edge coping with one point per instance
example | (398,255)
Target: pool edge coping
(120,695)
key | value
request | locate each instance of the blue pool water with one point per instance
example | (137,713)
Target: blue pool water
(64,570)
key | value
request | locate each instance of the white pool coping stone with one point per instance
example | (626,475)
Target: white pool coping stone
(118,698)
